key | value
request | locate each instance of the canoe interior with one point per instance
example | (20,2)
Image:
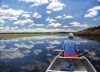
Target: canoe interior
(80,65)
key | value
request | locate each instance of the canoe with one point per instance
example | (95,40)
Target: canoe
(79,64)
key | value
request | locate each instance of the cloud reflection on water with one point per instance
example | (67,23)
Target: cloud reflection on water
(30,47)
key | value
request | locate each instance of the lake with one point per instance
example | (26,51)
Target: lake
(34,54)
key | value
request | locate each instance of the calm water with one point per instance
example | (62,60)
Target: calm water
(34,54)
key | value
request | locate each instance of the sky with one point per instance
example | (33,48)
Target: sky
(48,15)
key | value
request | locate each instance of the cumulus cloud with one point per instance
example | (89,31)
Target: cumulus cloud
(23,22)
(55,6)
(36,2)
(77,24)
(11,18)
(58,17)
(37,15)
(46,30)
(64,17)
(38,25)
(50,20)
(54,25)
(40,2)
(93,12)
(49,11)
(8,29)
(66,26)
(26,15)
(11,12)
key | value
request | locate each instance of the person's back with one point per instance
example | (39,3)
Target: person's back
(70,47)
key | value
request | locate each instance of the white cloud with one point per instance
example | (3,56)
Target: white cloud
(66,26)
(58,17)
(92,12)
(11,18)
(23,22)
(77,24)
(66,17)
(55,6)
(94,8)
(84,25)
(36,25)
(37,15)
(27,1)
(54,25)
(47,30)
(26,15)
(40,2)
(11,12)
(50,20)
(49,12)
(8,28)
(36,2)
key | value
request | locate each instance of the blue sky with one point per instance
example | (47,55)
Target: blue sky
(48,15)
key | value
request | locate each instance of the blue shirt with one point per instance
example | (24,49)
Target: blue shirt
(69,47)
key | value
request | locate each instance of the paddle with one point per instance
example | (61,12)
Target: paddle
(85,52)
(79,52)
(91,54)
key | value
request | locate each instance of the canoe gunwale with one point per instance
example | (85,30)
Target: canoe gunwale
(58,56)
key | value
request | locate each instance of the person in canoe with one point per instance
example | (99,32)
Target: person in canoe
(70,46)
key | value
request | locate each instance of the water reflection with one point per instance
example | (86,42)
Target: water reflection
(36,67)
(34,54)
